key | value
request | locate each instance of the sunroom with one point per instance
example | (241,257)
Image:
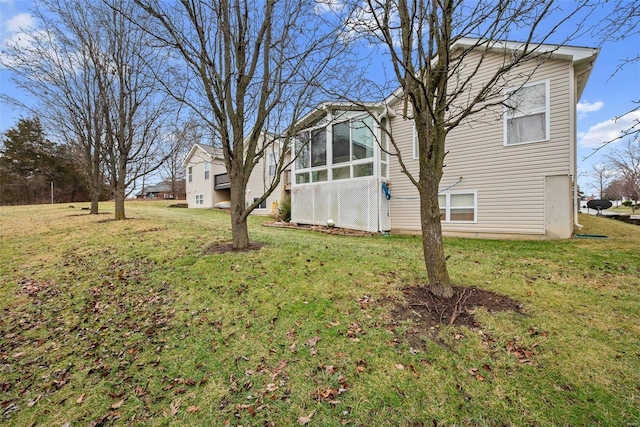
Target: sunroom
(339,171)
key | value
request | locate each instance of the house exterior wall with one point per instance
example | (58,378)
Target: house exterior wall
(258,182)
(356,202)
(199,186)
(509,181)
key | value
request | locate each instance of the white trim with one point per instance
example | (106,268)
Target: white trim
(447,207)
(416,150)
(329,166)
(547,112)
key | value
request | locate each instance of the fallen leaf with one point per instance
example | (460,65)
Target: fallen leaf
(271,387)
(399,366)
(414,371)
(117,404)
(32,403)
(174,406)
(193,409)
(313,341)
(474,372)
(80,399)
(303,421)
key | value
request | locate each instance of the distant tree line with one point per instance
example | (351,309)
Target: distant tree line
(30,163)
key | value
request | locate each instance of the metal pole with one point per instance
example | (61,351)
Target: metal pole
(51,192)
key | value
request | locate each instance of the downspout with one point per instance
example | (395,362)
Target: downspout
(573,155)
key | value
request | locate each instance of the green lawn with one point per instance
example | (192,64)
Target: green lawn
(132,323)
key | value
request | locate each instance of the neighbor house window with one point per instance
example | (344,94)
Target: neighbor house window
(416,150)
(273,164)
(207,170)
(190,173)
(457,207)
(199,199)
(526,117)
(262,205)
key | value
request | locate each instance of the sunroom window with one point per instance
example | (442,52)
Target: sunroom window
(348,153)
(526,117)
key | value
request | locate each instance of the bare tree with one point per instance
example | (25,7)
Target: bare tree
(626,161)
(603,176)
(622,23)
(437,50)
(134,106)
(248,70)
(91,70)
(56,66)
(177,145)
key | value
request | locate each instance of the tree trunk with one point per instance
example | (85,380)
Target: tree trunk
(95,198)
(119,201)
(432,244)
(120,190)
(239,229)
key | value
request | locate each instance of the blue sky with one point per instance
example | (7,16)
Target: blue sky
(606,96)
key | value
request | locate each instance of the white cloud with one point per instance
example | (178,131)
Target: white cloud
(608,130)
(583,108)
(19,22)
(324,6)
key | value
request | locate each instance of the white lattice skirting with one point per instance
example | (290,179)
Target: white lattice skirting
(349,203)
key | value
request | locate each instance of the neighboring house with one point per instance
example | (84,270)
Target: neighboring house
(208,182)
(508,174)
(163,191)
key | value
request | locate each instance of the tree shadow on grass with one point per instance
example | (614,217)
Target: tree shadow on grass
(225,247)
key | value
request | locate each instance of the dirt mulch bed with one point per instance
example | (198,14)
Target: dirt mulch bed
(223,248)
(321,229)
(429,313)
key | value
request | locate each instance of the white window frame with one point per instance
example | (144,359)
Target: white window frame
(190,173)
(514,114)
(199,199)
(261,206)
(207,170)
(416,151)
(330,166)
(447,208)
(383,149)
(272,164)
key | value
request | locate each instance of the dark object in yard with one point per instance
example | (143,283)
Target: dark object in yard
(179,205)
(590,236)
(599,205)
(86,209)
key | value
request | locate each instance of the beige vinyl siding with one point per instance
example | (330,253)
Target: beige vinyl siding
(259,182)
(199,186)
(509,180)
